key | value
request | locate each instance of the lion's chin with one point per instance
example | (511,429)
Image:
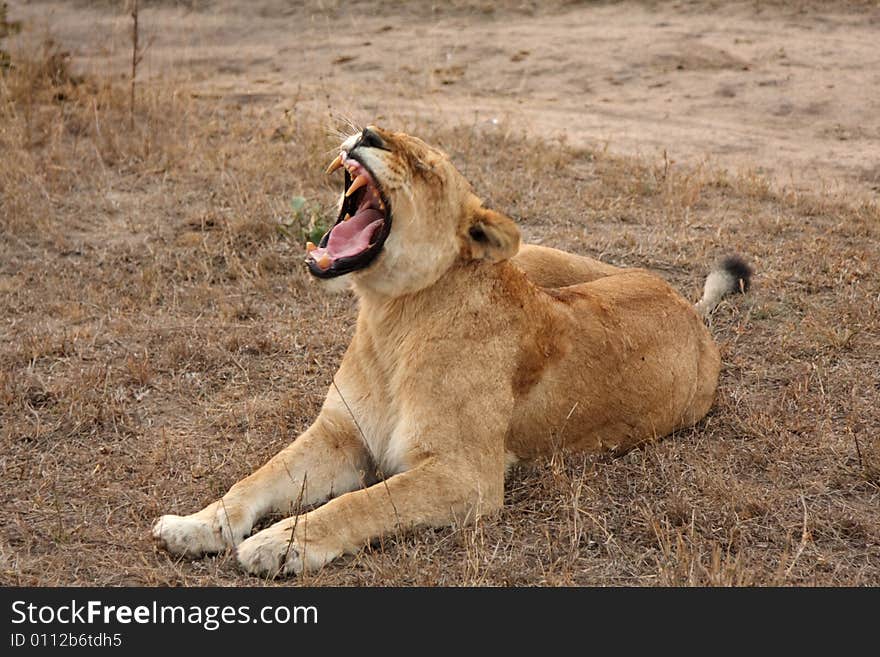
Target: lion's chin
(335,285)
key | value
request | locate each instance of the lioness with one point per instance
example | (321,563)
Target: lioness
(471,353)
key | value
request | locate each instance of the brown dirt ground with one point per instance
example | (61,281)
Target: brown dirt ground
(160,340)
(784,87)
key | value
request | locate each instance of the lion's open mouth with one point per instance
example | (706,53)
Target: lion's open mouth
(361,229)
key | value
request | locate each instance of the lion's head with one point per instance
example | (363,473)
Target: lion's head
(406,216)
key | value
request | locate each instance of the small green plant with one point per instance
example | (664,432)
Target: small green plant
(307,221)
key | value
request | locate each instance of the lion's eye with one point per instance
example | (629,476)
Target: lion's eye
(370,139)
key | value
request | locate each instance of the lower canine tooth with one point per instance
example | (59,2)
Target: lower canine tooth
(346,217)
(324,262)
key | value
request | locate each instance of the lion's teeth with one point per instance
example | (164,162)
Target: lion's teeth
(346,217)
(359,182)
(324,262)
(310,246)
(335,164)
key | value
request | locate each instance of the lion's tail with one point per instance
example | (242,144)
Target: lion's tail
(729,276)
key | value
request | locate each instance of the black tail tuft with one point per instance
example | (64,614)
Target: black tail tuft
(739,270)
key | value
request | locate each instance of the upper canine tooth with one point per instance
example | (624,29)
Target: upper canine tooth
(335,164)
(358,182)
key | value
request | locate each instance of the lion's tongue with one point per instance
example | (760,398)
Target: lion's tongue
(351,237)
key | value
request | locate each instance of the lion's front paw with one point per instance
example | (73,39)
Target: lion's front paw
(270,553)
(193,535)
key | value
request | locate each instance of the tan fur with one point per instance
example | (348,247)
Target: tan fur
(470,353)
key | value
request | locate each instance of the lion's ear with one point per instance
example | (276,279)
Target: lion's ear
(492,236)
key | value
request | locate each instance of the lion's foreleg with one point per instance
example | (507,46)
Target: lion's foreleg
(327,460)
(431,494)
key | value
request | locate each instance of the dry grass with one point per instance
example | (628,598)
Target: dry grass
(160,340)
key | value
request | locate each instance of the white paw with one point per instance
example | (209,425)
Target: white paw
(193,535)
(271,552)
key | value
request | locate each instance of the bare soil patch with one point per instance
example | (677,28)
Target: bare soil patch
(777,86)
